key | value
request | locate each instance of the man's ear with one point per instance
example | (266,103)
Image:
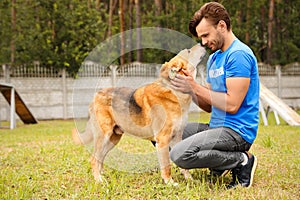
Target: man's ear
(222,25)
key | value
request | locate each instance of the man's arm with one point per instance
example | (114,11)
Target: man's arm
(230,102)
(196,98)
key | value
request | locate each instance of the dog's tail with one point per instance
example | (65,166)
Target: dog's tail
(88,135)
(75,136)
(83,138)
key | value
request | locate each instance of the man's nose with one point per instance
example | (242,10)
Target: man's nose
(204,42)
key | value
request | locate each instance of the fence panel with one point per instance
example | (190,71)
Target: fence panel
(34,71)
(132,69)
(50,94)
(94,70)
(139,70)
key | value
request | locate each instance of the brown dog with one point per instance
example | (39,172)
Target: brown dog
(154,112)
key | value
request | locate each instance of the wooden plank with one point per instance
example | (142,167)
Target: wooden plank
(21,109)
(287,113)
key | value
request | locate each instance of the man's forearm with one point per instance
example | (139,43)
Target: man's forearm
(198,99)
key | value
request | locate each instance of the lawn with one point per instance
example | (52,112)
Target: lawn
(41,162)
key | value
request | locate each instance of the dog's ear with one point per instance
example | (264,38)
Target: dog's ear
(164,70)
(178,62)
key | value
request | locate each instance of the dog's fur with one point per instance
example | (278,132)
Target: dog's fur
(155,112)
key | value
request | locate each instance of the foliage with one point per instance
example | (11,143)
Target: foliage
(41,162)
(58,33)
(61,33)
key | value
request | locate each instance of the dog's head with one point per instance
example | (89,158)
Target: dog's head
(187,59)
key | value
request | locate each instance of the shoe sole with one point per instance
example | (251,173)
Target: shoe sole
(253,171)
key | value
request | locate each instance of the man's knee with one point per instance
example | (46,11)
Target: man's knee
(177,157)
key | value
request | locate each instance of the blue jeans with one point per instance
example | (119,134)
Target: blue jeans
(204,147)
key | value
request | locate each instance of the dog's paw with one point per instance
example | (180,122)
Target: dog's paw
(100,179)
(187,175)
(171,182)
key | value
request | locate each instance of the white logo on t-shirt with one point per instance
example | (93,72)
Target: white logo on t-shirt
(214,73)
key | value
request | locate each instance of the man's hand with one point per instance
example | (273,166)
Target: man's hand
(183,83)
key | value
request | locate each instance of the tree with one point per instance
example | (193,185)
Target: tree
(122,29)
(270,30)
(56,33)
(138,32)
(61,33)
(13,30)
(112,6)
(131,5)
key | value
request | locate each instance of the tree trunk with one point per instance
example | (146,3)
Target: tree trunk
(13,30)
(122,29)
(270,30)
(112,5)
(98,4)
(131,2)
(89,4)
(158,5)
(248,21)
(138,33)
(263,48)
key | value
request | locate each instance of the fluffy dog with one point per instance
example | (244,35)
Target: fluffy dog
(155,112)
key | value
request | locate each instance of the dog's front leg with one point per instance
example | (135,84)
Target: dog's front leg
(164,162)
(162,146)
(177,138)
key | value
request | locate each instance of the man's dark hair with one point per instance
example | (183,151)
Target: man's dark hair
(213,12)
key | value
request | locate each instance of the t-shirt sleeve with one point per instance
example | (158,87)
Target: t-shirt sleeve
(239,64)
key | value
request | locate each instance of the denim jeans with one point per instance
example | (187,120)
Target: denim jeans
(204,147)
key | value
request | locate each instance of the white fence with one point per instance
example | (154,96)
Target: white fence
(132,70)
(55,95)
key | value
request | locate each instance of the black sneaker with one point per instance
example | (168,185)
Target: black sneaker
(246,173)
(243,175)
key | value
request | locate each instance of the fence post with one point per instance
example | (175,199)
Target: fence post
(64,95)
(12,109)
(6,72)
(113,69)
(157,70)
(279,86)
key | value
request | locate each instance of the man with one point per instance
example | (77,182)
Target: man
(232,97)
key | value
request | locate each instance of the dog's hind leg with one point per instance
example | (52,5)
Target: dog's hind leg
(103,144)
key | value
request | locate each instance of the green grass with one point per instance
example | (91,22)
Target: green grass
(41,162)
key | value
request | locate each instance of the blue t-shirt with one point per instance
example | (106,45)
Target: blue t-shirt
(237,61)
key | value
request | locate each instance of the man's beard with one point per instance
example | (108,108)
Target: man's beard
(218,43)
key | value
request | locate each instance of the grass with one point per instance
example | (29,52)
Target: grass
(41,162)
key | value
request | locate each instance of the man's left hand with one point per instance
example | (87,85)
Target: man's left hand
(183,83)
